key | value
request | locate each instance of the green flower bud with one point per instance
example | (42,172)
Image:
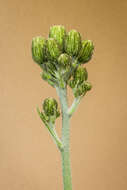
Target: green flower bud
(50,107)
(88,86)
(64,60)
(38,49)
(80,90)
(73,43)
(86,51)
(80,74)
(52,49)
(58,33)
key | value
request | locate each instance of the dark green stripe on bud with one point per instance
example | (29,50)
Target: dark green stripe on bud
(38,49)
(86,51)
(58,33)
(50,107)
(72,83)
(52,49)
(73,43)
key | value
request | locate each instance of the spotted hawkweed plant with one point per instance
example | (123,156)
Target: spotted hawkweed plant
(62,57)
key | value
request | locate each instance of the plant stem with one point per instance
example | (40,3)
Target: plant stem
(74,106)
(65,153)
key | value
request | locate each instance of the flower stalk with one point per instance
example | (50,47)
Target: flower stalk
(61,57)
(74,105)
(65,153)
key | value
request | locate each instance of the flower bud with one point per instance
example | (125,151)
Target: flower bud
(64,60)
(38,49)
(80,90)
(80,75)
(86,51)
(50,107)
(58,33)
(52,49)
(73,43)
(88,86)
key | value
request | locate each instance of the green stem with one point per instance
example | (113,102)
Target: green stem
(74,105)
(65,153)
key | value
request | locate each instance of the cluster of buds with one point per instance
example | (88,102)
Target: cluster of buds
(50,110)
(79,83)
(61,57)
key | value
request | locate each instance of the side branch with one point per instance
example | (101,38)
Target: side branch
(74,105)
(52,131)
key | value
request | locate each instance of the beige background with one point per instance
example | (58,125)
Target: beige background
(28,158)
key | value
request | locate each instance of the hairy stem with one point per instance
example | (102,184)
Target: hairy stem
(65,153)
(74,106)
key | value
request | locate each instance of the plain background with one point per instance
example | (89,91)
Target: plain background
(29,159)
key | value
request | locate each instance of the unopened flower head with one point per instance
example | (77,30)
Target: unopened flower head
(64,60)
(73,43)
(88,86)
(50,107)
(86,51)
(52,49)
(58,32)
(38,49)
(81,89)
(80,74)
